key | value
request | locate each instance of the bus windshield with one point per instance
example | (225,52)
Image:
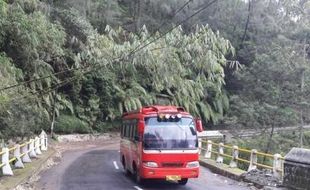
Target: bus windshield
(160,135)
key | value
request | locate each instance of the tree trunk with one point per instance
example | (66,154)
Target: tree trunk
(138,15)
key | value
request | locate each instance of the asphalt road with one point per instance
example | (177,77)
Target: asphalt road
(99,169)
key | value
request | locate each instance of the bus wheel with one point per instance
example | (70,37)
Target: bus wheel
(183,181)
(127,172)
(137,176)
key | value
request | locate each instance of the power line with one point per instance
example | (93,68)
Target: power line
(176,12)
(177,25)
(48,76)
(41,78)
(165,33)
(172,17)
(49,89)
(69,70)
(60,84)
(133,51)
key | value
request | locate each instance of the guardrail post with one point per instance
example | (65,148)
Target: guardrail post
(235,155)
(199,145)
(43,139)
(18,163)
(37,146)
(6,169)
(32,152)
(25,157)
(277,166)
(209,149)
(253,160)
(220,158)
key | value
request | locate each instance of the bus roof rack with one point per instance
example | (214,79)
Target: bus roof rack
(156,108)
(180,109)
(131,112)
(153,108)
(159,108)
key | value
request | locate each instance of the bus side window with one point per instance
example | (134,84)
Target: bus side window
(133,125)
(129,131)
(122,130)
(135,131)
(126,130)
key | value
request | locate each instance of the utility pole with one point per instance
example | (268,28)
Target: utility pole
(301,131)
(54,115)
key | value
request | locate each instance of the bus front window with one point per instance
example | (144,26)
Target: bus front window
(160,135)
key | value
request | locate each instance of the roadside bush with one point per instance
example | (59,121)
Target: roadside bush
(67,124)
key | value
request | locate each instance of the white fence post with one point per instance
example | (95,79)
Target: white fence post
(220,158)
(199,145)
(277,166)
(209,149)
(235,155)
(253,160)
(18,163)
(32,152)
(6,169)
(25,157)
(43,139)
(37,146)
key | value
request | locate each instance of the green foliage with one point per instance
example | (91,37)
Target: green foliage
(18,117)
(98,12)
(21,119)
(3,15)
(32,37)
(74,24)
(282,142)
(192,66)
(168,70)
(67,124)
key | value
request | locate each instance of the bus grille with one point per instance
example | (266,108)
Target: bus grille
(172,165)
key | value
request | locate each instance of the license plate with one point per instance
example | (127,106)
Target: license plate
(173,177)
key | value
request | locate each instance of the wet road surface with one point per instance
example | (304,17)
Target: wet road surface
(100,169)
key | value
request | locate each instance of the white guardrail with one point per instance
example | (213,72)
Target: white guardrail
(232,152)
(22,153)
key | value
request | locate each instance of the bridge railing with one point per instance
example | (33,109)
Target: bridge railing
(236,156)
(16,156)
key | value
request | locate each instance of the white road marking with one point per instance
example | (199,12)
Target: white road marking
(115,165)
(138,188)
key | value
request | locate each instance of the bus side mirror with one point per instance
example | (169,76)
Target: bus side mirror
(199,127)
(141,125)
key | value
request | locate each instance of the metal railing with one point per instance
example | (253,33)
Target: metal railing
(249,157)
(22,153)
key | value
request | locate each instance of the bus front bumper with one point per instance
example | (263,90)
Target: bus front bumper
(164,173)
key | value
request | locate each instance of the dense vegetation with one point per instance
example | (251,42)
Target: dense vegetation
(236,64)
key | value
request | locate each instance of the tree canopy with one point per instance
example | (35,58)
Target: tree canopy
(236,64)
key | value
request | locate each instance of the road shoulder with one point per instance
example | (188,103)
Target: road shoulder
(31,170)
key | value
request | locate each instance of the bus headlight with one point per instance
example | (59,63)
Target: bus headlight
(194,164)
(151,164)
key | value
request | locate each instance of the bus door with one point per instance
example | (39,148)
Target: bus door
(133,149)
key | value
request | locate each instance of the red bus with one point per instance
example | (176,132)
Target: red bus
(160,142)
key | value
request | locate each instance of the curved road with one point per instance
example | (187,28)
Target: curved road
(100,169)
